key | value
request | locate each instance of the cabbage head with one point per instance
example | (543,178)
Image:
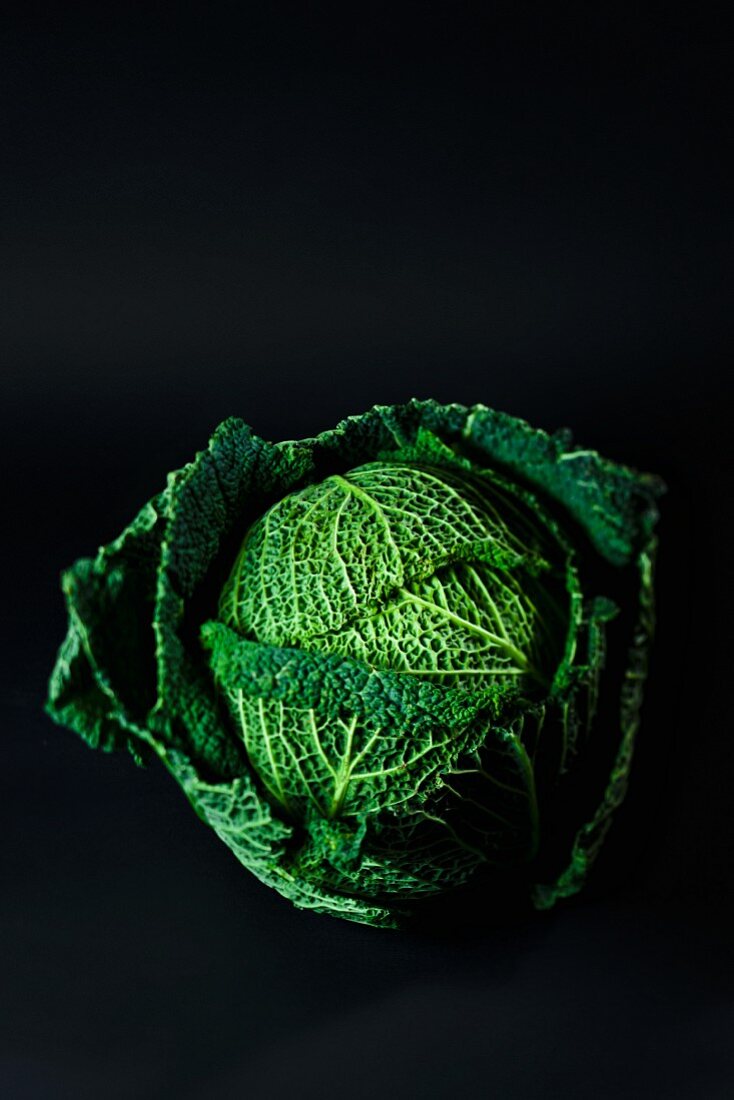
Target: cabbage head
(384,662)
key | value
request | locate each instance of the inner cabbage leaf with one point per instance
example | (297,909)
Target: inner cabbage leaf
(414,569)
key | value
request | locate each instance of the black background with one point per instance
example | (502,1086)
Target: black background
(292,216)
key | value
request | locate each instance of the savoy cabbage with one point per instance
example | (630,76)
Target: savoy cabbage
(381,661)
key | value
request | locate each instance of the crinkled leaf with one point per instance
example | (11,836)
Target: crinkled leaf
(333,739)
(333,551)
(104,675)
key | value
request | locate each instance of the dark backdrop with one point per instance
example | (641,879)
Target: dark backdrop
(291,217)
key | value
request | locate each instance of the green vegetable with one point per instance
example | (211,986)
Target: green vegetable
(383,661)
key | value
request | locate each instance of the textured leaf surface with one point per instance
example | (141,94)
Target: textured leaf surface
(335,550)
(387,755)
(406,567)
(104,678)
(465,625)
(338,735)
